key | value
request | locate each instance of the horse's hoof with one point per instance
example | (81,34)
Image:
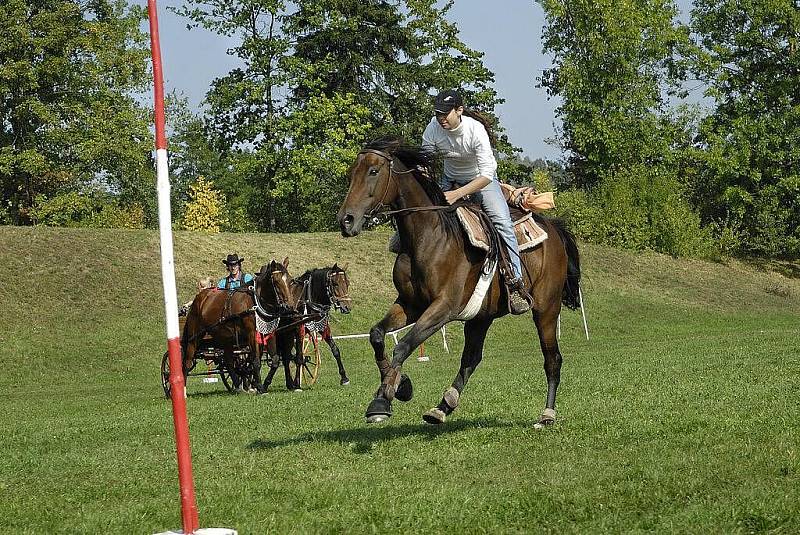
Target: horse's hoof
(379,410)
(405,390)
(547,418)
(297,390)
(435,416)
(344,382)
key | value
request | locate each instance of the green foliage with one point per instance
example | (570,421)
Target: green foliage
(206,209)
(746,160)
(638,210)
(615,65)
(350,71)
(67,115)
(92,209)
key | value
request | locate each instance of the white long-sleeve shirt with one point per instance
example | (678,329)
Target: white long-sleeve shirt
(466,149)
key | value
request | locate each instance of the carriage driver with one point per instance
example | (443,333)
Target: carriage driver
(463,137)
(235,277)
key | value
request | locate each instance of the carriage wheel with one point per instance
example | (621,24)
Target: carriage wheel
(165,375)
(226,377)
(310,361)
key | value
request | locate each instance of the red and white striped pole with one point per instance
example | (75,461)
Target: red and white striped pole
(178,388)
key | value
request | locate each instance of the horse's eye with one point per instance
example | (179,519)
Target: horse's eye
(373,171)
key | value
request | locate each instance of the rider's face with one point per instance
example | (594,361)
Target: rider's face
(233,269)
(451,119)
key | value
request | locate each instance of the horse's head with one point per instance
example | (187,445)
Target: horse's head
(273,285)
(338,288)
(372,189)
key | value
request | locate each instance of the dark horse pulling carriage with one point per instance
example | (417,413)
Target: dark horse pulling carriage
(235,332)
(438,269)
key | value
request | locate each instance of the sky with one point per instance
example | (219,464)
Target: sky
(510,39)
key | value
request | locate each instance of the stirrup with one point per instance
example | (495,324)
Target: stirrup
(519,300)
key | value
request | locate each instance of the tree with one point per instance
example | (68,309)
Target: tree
(616,66)
(68,119)
(352,69)
(745,164)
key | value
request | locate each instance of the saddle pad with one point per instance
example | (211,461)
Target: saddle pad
(528,233)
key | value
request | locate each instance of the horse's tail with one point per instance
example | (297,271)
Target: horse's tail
(570,296)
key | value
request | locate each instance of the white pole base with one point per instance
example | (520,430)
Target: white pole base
(203,531)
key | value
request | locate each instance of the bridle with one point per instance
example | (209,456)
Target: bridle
(280,302)
(330,291)
(330,288)
(382,211)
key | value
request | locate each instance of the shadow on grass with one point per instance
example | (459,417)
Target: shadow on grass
(364,438)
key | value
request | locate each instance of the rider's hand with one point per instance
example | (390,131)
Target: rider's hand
(452,196)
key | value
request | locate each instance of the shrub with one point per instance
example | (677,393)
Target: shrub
(206,207)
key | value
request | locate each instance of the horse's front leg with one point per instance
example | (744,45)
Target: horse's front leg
(255,355)
(285,342)
(299,359)
(474,337)
(381,408)
(393,382)
(326,335)
(232,368)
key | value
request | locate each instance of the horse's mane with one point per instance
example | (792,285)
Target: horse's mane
(422,162)
(319,283)
(414,157)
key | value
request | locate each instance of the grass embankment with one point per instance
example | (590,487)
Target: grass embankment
(679,415)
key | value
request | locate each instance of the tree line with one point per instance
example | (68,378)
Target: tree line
(678,134)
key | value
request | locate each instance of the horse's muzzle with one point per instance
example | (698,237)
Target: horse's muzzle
(348,226)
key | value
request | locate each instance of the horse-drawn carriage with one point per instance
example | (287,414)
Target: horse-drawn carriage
(229,335)
(208,364)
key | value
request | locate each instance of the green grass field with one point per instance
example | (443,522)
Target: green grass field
(679,415)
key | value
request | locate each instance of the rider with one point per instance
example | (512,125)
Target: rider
(235,277)
(464,139)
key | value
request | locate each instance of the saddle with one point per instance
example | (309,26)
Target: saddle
(528,233)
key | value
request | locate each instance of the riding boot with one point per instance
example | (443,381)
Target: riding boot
(519,300)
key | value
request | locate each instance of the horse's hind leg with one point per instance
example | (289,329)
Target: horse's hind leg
(326,335)
(474,338)
(548,341)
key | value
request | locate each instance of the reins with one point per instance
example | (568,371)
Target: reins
(380,210)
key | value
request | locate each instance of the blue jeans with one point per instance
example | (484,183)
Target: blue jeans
(494,204)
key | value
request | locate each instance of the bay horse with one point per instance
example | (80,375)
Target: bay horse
(313,294)
(438,269)
(229,317)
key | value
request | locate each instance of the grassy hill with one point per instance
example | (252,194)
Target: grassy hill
(679,414)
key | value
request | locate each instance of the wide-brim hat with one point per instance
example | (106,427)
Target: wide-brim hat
(447,100)
(233,259)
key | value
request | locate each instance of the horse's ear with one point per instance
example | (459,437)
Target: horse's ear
(286,262)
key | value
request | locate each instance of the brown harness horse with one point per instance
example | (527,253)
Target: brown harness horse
(230,318)
(438,270)
(313,294)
